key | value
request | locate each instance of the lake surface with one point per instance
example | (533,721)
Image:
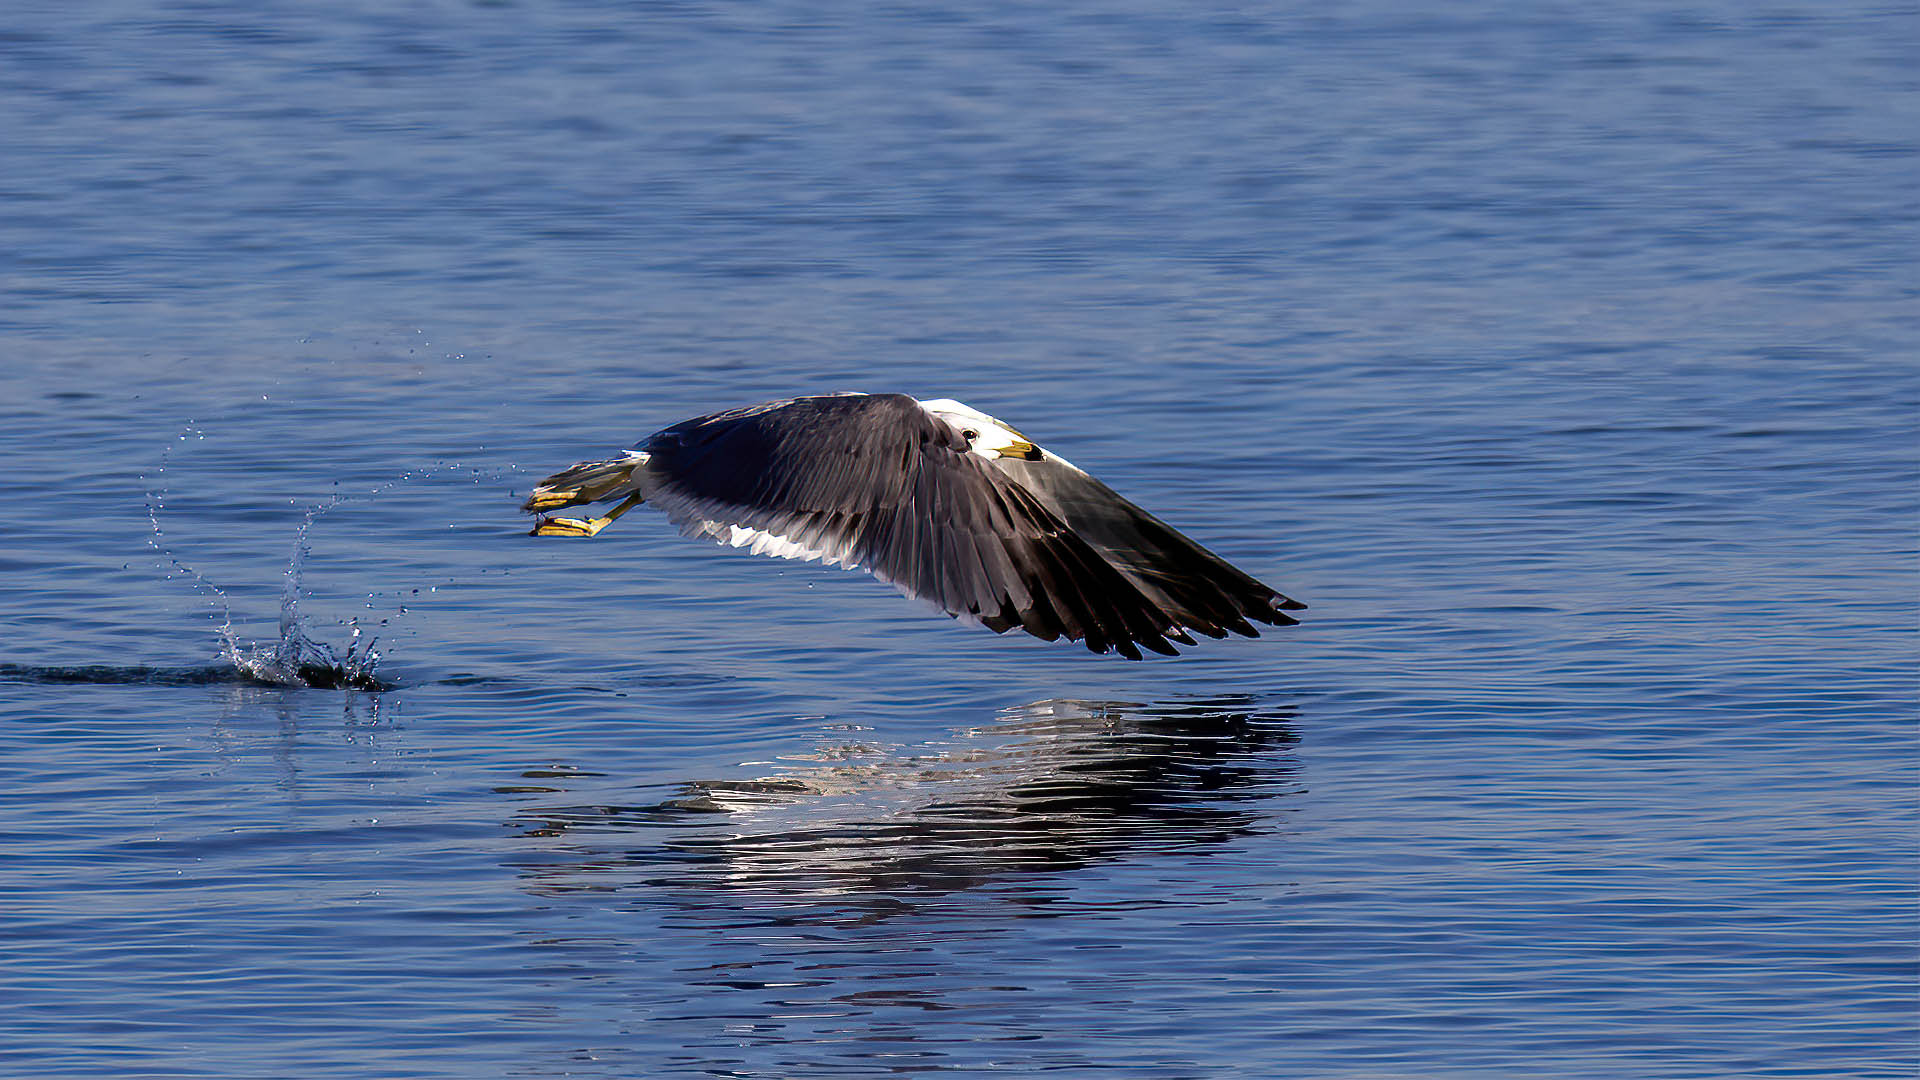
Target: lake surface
(1562,357)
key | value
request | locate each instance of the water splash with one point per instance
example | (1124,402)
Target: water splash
(295,658)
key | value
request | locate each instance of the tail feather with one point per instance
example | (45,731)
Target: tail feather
(586,482)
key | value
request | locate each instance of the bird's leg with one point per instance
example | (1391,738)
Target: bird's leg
(584,526)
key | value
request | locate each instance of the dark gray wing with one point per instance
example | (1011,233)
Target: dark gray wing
(875,482)
(1199,589)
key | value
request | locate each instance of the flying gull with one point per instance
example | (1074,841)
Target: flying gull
(942,501)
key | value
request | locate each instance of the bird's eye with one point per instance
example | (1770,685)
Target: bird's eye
(969,434)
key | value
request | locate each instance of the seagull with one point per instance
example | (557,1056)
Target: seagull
(936,498)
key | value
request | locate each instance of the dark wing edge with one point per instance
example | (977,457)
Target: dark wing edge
(877,483)
(1202,591)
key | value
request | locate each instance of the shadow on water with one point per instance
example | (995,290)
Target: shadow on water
(1047,787)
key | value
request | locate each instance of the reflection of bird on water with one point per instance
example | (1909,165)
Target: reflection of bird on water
(945,502)
(1048,787)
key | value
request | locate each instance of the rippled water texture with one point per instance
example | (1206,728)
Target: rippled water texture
(1562,357)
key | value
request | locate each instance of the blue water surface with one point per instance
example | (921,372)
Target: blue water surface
(1561,356)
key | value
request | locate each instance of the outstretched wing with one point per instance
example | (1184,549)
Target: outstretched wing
(1199,589)
(873,481)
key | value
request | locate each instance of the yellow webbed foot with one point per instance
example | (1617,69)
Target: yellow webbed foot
(551,500)
(570,526)
(588,481)
(559,526)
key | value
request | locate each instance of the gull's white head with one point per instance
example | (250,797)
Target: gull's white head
(985,436)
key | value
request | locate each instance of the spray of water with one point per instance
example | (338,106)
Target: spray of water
(156,502)
(295,658)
